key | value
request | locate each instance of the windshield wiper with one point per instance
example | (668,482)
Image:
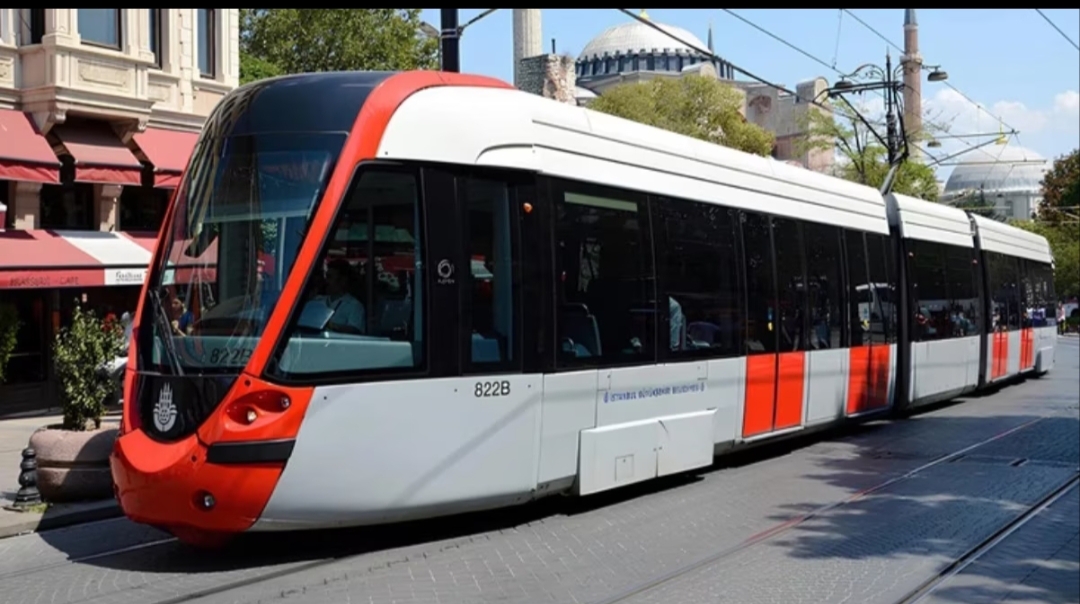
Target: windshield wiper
(162,321)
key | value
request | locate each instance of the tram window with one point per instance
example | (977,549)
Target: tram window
(860,292)
(492,288)
(696,257)
(362,310)
(883,301)
(931,309)
(790,285)
(1027,295)
(963,297)
(823,265)
(1046,300)
(761,313)
(1003,282)
(604,277)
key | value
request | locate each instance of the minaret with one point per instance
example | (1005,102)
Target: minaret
(528,40)
(912,64)
(711,49)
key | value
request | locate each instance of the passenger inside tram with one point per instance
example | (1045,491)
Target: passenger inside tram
(347,312)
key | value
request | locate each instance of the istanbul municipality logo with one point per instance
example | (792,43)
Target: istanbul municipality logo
(165,410)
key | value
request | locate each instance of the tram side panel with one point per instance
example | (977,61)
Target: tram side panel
(944,317)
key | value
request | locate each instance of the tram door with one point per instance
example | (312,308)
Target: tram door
(776,324)
(474,255)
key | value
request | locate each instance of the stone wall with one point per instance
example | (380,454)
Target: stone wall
(550,76)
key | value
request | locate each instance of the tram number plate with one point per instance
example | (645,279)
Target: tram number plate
(485,389)
(226,356)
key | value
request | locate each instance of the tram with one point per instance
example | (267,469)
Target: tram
(389,296)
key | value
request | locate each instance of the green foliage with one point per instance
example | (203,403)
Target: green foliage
(9,331)
(696,106)
(1061,189)
(864,159)
(277,41)
(1064,239)
(80,351)
(253,68)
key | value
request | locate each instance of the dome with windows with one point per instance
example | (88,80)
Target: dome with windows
(998,170)
(636,46)
(1009,177)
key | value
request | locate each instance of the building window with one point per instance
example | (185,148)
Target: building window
(68,207)
(207,26)
(100,26)
(143,208)
(37,25)
(155,34)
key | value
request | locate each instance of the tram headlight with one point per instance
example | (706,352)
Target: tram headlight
(251,416)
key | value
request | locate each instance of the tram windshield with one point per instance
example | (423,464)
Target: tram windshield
(241,215)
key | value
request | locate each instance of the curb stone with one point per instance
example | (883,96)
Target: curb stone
(69,515)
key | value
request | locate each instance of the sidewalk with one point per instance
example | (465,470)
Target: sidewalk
(14,436)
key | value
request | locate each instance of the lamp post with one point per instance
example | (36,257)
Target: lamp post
(869,77)
(450,40)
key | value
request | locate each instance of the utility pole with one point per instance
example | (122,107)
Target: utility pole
(887,80)
(450,40)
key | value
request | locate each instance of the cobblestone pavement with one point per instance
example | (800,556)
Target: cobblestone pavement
(872,549)
(1036,564)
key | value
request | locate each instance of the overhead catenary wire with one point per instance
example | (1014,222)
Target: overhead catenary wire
(946,82)
(935,159)
(1057,29)
(978,106)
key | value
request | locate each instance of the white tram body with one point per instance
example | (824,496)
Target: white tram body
(423,447)
(374,451)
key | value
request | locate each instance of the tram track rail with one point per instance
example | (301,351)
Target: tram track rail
(957,566)
(298,567)
(768,534)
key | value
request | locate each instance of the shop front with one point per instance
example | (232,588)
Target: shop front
(81,209)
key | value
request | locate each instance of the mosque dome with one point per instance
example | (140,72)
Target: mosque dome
(1007,169)
(638,38)
(636,47)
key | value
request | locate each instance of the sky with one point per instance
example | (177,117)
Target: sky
(1009,61)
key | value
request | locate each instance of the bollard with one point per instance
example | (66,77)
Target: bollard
(28,494)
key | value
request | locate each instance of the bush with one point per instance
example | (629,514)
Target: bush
(80,351)
(9,331)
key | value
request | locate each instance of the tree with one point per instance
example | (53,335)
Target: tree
(1064,240)
(864,158)
(253,68)
(1061,189)
(695,106)
(290,40)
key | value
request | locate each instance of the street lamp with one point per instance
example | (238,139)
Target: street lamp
(937,74)
(889,80)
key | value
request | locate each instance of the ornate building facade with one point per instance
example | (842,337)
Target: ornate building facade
(99,112)
(635,52)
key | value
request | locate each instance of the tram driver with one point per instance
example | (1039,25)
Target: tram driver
(348,312)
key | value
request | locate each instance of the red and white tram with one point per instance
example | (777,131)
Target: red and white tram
(424,293)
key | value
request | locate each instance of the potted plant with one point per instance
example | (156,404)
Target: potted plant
(73,457)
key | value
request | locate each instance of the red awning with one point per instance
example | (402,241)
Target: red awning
(47,259)
(100,156)
(168,151)
(24,152)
